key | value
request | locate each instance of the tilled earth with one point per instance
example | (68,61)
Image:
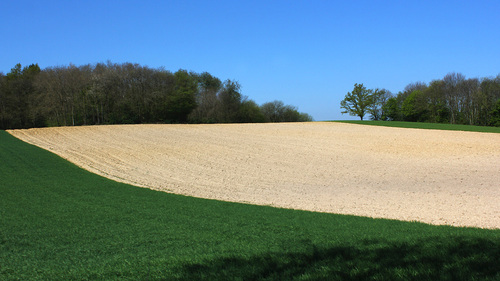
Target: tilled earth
(432,176)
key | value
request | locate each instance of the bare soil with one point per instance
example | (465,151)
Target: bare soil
(436,177)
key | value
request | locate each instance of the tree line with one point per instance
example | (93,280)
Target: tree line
(453,99)
(110,93)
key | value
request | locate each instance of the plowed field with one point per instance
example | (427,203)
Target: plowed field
(437,177)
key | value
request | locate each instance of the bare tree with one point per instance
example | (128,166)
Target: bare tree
(380,98)
(453,94)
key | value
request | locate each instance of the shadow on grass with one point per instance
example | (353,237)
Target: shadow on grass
(458,258)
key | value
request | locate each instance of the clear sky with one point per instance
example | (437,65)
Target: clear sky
(305,53)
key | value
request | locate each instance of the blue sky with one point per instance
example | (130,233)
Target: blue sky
(305,53)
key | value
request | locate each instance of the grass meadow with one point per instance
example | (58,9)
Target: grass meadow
(421,125)
(59,222)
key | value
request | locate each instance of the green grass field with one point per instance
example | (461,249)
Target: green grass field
(59,222)
(420,125)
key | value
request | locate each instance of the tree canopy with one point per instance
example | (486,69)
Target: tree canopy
(358,102)
(453,99)
(110,93)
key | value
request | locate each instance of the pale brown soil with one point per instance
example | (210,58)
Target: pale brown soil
(437,177)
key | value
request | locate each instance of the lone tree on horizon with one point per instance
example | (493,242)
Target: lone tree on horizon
(357,102)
